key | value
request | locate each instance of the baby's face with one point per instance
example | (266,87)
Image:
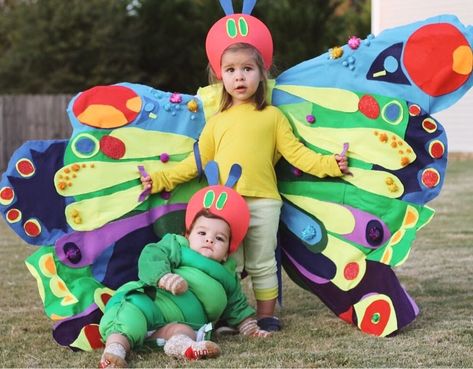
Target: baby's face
(210,237)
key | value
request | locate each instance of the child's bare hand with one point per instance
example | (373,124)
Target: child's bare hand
(173,283)
(342,160)
(342,163)
(147,182)
(249,327)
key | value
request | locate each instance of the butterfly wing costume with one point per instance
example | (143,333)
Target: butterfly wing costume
(80,199)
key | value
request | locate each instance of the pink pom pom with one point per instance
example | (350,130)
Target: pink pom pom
(354,42)
(310,119)
(164,157)
(175,98)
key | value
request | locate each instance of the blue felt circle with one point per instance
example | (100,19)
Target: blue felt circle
(391,64)
(149,107)
(392,112)
(85,145)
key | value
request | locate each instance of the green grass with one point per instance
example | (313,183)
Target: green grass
(438,275)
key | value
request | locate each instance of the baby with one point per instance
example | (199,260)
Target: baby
(184,283)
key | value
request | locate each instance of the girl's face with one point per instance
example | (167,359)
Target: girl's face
(210,237)
(240,75)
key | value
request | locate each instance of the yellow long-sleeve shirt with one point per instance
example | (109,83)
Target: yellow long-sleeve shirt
(255,140)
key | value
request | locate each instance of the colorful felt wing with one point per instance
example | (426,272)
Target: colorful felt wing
(341,237)
(82,200)
(27,194)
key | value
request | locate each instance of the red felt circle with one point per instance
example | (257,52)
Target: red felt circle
(112,147)
(13,215)
(351,271)
(429,125)
(430,178)
(369,106)
(32,228)
(380,307)
(428,56)
(437,149)
(112,96)
(414,110)
(7,193)
(25,167)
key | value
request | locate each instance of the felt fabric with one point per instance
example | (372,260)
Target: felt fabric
(225,203)
(339,237)
(139,306)
(32,196)
(377,97)
(379,65)
(239,129)
(238,28)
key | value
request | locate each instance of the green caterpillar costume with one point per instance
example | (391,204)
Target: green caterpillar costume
(139,306)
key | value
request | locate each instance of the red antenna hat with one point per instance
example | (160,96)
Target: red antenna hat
(238,28)
(222,201)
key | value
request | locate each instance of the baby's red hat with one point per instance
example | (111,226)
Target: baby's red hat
(225,203)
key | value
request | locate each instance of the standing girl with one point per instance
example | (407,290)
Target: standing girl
(255,135)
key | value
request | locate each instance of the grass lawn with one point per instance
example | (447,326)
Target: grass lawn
(438,275)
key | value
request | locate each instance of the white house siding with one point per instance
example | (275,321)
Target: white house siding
(458,119)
